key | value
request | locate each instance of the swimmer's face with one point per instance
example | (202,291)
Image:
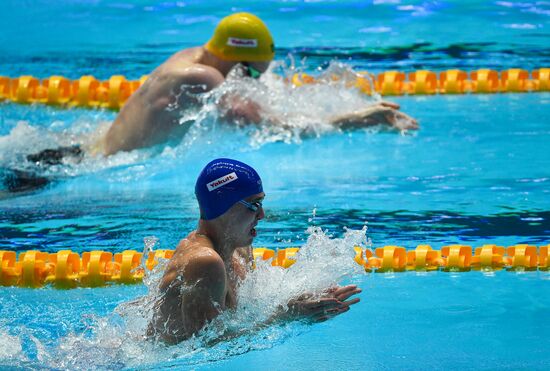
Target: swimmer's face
(241,220)
(255,69)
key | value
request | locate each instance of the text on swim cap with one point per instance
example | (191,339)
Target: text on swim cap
(217,183)
(242,43)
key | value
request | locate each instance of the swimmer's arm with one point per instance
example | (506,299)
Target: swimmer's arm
(245,111)
(332,303)
(206,297)
(240,110)
(383,113)
(200,299)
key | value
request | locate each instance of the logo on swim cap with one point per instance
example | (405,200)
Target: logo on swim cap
(222,181)
(242,43)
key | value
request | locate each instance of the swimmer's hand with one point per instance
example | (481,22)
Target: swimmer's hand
(383,113)
(240,110)
(332,302)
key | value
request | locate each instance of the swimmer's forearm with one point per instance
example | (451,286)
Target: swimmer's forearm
(245,111)
(363,118)
(382,113)
(282,315)
(235,333)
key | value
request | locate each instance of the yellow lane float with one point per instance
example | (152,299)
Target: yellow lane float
(66,269)
(90,92)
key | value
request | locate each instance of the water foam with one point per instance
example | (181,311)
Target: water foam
(10,347)
(291,112)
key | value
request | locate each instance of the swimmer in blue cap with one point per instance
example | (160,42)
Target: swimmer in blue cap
(200,281)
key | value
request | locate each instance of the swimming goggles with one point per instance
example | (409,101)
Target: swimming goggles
(252,206)
(251,71)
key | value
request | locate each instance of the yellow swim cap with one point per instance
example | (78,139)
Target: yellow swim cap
(242,37)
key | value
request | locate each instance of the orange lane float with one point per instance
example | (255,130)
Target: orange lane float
(541,79)
(54,91)
(514,80)
(85,92)
(424,258)
(66,269)
(454,82)
(422,82)
(390,83)
(485,81)
(488,257)
(544,258)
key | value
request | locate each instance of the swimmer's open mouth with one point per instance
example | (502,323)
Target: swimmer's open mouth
(253,232)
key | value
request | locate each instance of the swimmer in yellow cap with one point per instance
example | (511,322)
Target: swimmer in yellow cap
(148,118)
(240,40)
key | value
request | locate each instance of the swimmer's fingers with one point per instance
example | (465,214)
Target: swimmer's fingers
(350,302)
(322,305)
(313,307)
(326,314)
(342,290)
(345,296)
(337,290)
(343,293)
(335,308)
(330,314)
(389,104)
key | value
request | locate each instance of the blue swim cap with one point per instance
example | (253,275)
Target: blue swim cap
(223,183)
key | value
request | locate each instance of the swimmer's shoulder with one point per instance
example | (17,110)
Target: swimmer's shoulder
(195,259)
(184,68)
(197,75)
(194,241)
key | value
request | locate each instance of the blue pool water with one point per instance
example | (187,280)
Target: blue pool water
(476,172)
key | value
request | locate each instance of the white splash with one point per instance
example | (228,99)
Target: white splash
(292,112)
(10,348)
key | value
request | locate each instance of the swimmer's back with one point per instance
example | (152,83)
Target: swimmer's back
(145,120)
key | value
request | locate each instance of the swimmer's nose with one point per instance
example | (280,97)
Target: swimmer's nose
(261,213)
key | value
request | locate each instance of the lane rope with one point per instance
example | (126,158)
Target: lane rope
(89,92)
(67,269)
